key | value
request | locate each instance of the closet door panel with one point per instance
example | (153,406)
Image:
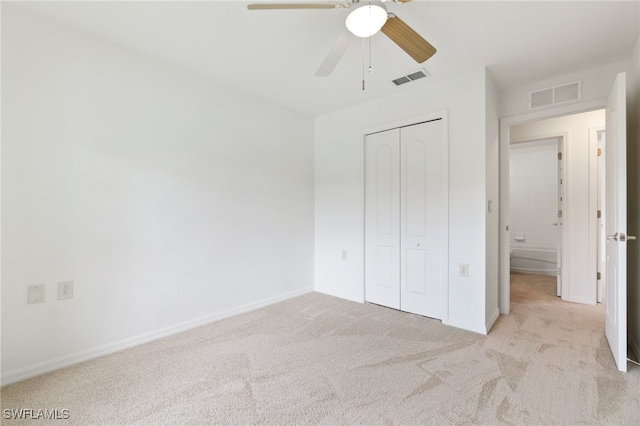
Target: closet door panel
(423,227)
(382,218)
(416,272)
(415,180)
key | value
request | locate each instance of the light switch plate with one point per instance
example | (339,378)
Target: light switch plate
(35,294)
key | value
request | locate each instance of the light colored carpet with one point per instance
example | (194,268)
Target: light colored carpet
(320,360)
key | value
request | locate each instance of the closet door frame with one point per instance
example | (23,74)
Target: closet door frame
(410,121)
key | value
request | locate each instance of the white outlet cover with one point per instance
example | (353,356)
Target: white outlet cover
(65,290)
(464,270)
(35,294)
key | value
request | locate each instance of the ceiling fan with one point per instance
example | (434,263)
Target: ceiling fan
(365,19)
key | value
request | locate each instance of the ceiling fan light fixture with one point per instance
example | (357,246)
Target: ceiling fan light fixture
(367,18)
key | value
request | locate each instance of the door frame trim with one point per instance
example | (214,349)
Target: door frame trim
(601,239)
(505,128)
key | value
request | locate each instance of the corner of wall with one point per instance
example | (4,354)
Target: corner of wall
(491,319)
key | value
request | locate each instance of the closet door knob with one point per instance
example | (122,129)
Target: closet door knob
(418,245)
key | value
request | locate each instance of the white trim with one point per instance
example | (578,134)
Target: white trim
(109,348)
(445,179)
(592,262)
(480,329)
(410,121)
(601,234)
(343,295)
(505,125)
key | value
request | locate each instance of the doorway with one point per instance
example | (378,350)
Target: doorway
(615,181)
(575,214)
(535,197)
(575,218)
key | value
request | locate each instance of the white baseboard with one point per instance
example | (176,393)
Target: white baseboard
(340,295)
(109,348)
(466,326)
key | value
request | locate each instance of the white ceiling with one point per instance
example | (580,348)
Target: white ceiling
(274,54)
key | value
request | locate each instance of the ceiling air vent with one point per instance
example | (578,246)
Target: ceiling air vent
(556,95)
(417,75)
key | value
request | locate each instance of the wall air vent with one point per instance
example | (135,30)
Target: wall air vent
(417,75)
(556,95)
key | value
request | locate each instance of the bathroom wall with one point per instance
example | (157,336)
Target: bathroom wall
(533,193)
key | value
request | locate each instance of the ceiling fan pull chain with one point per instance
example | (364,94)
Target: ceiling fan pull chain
(363,62)
(370,67)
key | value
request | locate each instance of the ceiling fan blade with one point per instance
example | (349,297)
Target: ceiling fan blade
(335,54)
(272,6)
(408,40)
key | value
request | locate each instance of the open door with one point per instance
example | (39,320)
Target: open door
(616,202)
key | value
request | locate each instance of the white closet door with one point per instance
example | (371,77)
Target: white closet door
(382,218)
(423,220)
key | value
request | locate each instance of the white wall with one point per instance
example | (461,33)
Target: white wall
(339,190)
(581,197)
(533,184)
(170,201)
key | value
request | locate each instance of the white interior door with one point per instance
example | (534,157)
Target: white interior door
(423,219)
(382,218)
(616,202)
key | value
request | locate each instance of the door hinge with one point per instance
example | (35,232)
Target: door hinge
(599,276)
(599,152)
(559,271)
(599,214)
(559,213)
(559,156)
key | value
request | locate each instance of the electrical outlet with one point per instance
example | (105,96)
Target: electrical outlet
(35,294)
(464,269)
(345,255)
(65,290)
